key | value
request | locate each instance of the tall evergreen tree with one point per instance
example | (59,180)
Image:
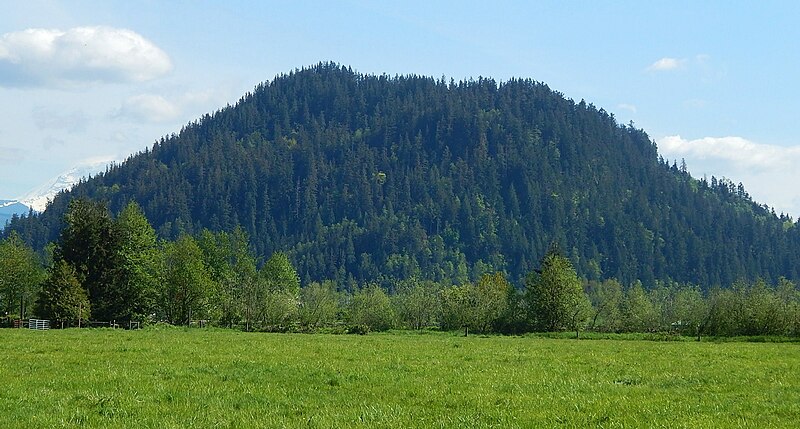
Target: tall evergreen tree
(89,244)
(62,298)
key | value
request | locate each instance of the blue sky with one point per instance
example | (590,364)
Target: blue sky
(712,82)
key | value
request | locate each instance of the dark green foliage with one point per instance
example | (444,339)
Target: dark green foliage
(369,178)
(90,245)
(214,279)
(62,297)
(115,260)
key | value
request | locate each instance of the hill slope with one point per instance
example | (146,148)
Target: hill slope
(366,177)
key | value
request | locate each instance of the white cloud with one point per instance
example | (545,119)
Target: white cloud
(666,64)
(149,107)
(768,172)
(156,108)
(742,152)
(629,107)
(49,57)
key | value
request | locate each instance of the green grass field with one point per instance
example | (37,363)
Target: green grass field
(176,378)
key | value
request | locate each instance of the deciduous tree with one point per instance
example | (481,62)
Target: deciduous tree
(556,297)
(20,276)
(319,305)
(370,309)
(187,284)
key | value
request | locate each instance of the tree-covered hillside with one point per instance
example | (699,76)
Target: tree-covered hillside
(361,178)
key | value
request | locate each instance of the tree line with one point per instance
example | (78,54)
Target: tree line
(114,269)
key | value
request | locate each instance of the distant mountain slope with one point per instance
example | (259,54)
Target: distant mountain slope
(367,178)
(9,208)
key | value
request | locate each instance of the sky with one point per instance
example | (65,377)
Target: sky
(712,82)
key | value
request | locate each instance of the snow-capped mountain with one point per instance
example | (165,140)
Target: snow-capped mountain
(39,197)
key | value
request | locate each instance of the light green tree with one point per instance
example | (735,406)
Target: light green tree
(187,284)
(135,290)
(232,266)
(455,302)
(606,298)
(281,292)
(789,306)
(724,311)
(319,305)
(761,310)
(416,303)
(556,296)
(478,307)
(370,310)
(21,276)
(490,301)
(691,311)
(638,314)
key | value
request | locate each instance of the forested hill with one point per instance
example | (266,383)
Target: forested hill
(362,177)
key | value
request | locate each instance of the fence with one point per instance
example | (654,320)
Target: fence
(39,324)
(44,324)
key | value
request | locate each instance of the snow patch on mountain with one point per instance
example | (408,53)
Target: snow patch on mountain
(41,196)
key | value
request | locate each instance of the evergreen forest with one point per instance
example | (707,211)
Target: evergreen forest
(376,180)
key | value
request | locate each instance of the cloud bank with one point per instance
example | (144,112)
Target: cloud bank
(157,108)
(768,172)
(743,153)
(56,58)
(149,107)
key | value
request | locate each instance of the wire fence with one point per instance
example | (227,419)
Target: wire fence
(44,324)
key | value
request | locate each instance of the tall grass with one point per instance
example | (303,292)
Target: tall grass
(178,378)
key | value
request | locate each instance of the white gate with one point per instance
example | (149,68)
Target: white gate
(39,324)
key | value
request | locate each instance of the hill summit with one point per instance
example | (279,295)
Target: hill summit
(371,178)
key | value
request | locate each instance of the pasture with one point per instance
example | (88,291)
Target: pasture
(198,378)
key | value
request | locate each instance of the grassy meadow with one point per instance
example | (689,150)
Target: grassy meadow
(178,378)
